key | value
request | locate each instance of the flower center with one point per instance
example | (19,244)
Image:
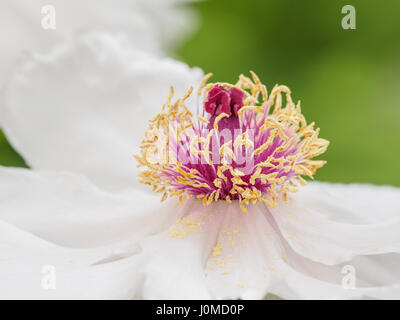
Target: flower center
(250,148)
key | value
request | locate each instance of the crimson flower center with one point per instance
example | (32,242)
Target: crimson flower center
(228,101)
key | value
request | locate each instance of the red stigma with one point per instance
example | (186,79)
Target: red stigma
(221,100)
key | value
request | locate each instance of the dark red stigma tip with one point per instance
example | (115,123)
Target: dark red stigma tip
(221,100)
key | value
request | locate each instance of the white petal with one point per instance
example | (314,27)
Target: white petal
(68,210)
(211,252)
(21,24)
(173,20)
(295,284)
(32,268)
(84,107)
(301,278)
(64,209)
(175,259)
(306,223)
(231,255)
(243,260)
(353,203)
(377,270)
(251,260)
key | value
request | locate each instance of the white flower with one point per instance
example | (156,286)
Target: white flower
(77,115)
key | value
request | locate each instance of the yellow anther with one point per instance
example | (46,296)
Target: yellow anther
(203,83)
(202,119)
(218,118)
(217,183)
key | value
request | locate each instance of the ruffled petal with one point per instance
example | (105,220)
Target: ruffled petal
(89,238)
(84,107)
(351,203)
(70,211)
(306,225)
(255,256)
(32,268)
(141,21)
(302,278)
(232,255)
(318,282)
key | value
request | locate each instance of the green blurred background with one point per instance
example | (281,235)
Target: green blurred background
(348,80)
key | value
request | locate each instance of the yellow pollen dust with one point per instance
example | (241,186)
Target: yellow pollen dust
(183,227)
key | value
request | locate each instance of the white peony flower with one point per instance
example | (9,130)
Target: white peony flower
(77,115)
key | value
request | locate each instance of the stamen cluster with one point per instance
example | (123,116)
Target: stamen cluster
(244,145)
